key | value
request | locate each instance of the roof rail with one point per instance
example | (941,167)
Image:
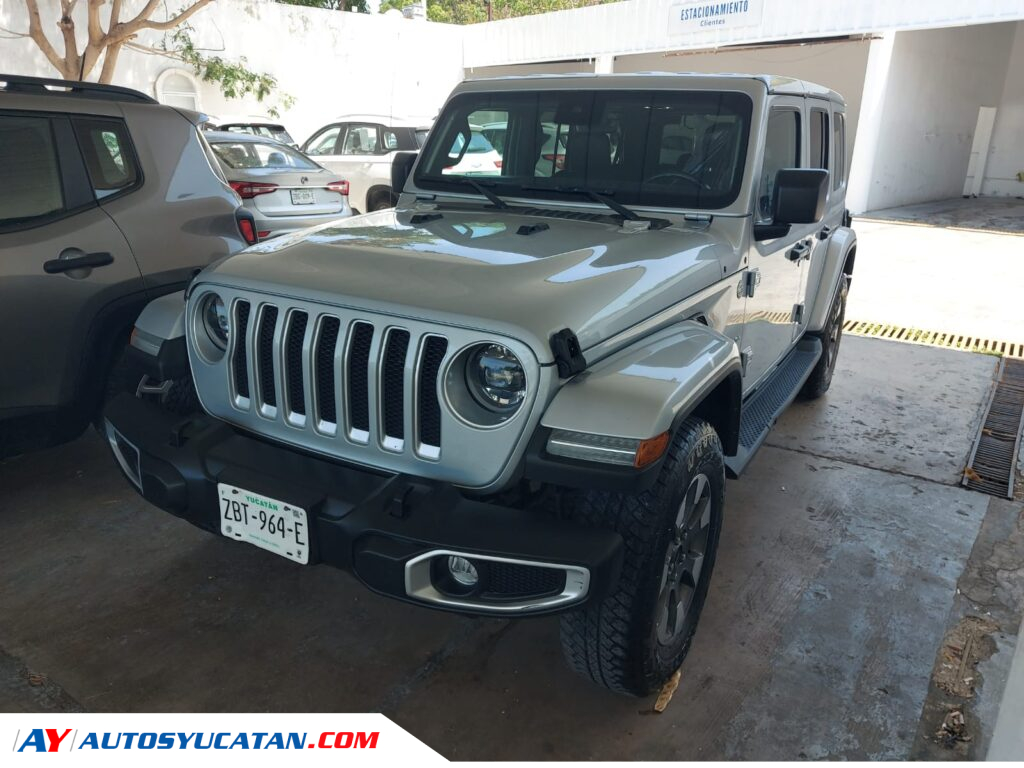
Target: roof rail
(57,87)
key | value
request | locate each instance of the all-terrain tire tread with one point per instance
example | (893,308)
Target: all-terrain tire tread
(599,639)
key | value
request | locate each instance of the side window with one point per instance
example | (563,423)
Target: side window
(324,143)
(108,155)
(839,142)
(781,150)
(361,139)
(32,186)
(819,139)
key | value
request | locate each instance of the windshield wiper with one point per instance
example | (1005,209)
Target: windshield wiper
(605,199)
(598,197)
(496,201)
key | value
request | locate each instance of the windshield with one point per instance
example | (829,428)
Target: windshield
(677,149)
(254,154)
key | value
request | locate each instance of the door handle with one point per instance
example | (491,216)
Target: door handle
(825,232)
(85,261)
(799,252)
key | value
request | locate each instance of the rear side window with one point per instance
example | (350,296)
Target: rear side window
(360,139)
(819,139)
(781,150)
(31,191)
(839,142)
(108,154)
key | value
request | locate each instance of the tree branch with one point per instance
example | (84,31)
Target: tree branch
(35,31)
(176,20)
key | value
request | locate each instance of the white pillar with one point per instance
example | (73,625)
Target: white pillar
(869,123)
(604,64)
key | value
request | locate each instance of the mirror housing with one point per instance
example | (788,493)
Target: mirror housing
(800,195)
(401,167)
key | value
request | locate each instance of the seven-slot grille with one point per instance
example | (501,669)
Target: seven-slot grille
(316,371)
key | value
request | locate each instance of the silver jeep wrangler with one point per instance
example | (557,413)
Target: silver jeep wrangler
(520,391)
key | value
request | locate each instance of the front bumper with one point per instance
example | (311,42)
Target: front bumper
(394,532)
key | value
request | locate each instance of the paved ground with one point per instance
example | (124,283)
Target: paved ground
(988,214)
(844,549)
(912,272)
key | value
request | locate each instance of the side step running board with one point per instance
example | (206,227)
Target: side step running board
(763,409)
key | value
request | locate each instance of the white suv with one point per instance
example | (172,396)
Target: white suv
(360,148)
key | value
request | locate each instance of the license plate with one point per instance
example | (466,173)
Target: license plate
(267,523)
(302,196)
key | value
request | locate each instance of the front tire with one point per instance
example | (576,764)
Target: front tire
(636,637)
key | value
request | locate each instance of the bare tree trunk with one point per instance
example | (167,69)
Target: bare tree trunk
(110,62)
(107,43)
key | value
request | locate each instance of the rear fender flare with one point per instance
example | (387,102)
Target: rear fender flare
(651,386)
(841,244)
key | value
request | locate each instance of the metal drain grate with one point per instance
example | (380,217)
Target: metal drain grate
(990,468)
(960,341)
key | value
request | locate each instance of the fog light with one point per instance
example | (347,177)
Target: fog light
(462,571)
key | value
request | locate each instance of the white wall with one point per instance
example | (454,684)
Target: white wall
(646,26)
(322,58)
(1006,153)
(937,80)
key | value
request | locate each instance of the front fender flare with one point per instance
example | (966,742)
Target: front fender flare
(158,340)
(651,386)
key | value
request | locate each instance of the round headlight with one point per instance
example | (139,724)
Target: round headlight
(496,378)
(216,320)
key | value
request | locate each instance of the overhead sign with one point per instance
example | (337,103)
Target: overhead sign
(702,15)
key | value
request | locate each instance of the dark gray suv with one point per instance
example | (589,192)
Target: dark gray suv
(109,200)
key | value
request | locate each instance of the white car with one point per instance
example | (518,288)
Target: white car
(360,148)
(551,160)
(479,159)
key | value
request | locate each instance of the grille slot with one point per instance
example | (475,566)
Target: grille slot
(393,386)
(240,359)
(434,349)
(325,374)
(296,380)
(265,355)
(326,390)
(359,377)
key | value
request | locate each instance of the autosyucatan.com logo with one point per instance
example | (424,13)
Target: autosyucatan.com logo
(70,740)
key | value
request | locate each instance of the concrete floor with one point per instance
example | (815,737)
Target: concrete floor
(989,214)
(912,270)
(845,545)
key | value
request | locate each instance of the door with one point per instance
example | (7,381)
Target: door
(62,259)
(775,264)
(355,151)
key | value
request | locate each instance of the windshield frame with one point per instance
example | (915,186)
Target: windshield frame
(734,101)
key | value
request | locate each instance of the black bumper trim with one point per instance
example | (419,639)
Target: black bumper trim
(366,522)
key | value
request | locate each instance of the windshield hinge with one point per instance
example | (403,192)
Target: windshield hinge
(568,355)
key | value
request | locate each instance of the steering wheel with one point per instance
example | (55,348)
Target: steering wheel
(674,177)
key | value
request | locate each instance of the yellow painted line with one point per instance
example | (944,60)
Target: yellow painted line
(943,339)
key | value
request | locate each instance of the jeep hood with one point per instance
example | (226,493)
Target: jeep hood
(484,269)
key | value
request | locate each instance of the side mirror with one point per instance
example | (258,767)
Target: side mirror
(800,195)
(401,167)
(799,199)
